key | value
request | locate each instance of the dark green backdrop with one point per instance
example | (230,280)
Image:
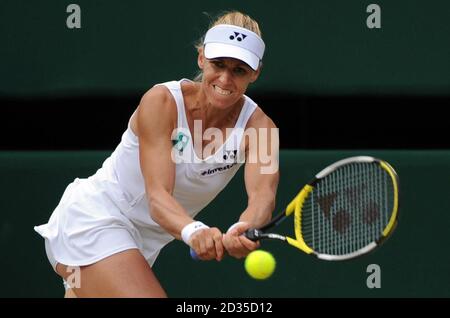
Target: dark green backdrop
(320,48)
(313,47)
(414,261)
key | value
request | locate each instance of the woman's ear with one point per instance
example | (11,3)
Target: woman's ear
(200,58)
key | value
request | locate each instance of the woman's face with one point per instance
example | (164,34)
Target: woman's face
(225,80)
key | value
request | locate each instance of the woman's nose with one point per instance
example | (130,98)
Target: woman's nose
(225,77)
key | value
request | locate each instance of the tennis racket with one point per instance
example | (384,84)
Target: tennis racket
(346,211)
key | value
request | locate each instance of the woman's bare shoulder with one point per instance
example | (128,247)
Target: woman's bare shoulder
(259,119)
(157,107)
(156,97)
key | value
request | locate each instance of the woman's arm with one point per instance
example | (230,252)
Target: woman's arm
(156,120)
(261,182)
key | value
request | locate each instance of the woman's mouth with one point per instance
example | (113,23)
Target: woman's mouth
(221,91)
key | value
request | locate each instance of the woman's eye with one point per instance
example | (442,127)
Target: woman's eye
(240,71)
(218,64)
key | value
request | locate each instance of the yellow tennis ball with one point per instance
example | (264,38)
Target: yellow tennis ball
(260,264)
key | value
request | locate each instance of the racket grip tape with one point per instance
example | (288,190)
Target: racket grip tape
(252,234)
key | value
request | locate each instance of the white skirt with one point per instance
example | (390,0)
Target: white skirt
(90,223)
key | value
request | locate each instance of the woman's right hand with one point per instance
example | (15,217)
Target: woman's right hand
(236,244)
(207,244)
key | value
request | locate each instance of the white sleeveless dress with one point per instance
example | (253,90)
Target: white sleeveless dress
(109,212)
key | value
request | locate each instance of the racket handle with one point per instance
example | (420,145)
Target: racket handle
(194,255)
(253,234)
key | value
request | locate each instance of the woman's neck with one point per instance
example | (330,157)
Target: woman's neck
(199,108)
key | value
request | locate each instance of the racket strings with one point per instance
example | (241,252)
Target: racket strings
(348,209)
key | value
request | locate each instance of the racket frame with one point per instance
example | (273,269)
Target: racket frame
(296,206)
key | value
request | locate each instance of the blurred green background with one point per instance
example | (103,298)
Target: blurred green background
(328,81)
(414,261)
(320,47)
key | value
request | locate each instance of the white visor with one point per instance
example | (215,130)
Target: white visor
(226,40)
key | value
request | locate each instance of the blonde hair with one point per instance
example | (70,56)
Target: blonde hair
(233,18)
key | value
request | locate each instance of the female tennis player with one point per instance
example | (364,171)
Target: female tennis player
(169,165)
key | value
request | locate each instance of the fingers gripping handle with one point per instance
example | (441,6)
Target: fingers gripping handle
(252,234)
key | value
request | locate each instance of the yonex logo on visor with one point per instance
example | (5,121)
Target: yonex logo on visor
(237,36)
(226,40)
